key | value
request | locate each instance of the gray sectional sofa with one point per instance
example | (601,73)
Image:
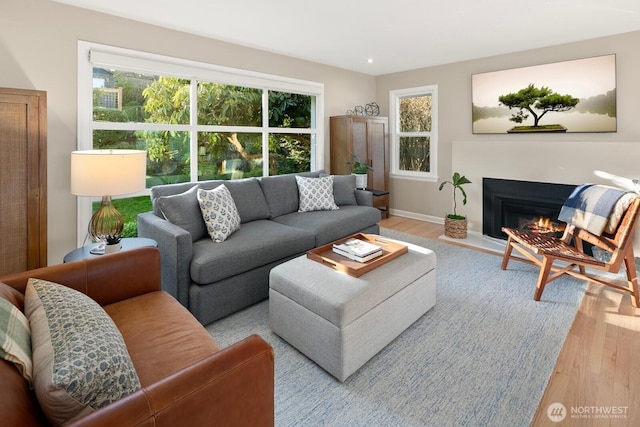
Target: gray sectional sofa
(213,279)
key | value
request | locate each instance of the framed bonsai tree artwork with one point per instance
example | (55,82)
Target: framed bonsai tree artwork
(569,96)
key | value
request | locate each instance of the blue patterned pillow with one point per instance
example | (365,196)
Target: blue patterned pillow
(80,360)
(219,212)
(316,194)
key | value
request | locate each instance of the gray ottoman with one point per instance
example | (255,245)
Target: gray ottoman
(340,321)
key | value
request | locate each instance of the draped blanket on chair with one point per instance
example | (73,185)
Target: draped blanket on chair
(590,206)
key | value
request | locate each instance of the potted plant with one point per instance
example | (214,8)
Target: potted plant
(456,225)
(359,169)
(112,244)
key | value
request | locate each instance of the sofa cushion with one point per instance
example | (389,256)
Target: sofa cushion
(281,192)
(256,244)
(328,226)
(247,196)
(183,210)
(219,212)
(315,194)
(15,338)
(168,329)
(80,361)
(344,190)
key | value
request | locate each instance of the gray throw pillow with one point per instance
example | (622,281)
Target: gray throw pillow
(344,190)
(183,210)
(247,196)
(281,193)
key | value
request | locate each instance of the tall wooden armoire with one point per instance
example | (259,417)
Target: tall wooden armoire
(368,138)
(23,180)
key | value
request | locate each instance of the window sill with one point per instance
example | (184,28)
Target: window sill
(423,178)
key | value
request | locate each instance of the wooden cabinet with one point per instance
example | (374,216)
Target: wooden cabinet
(23,180)
(368,138)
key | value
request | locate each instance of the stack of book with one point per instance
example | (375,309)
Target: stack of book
(357,250)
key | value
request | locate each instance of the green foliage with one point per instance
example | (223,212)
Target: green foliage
(108,138)
(112,239)
(289,110)
(415,114)
(457,181)
(167,101)
(130,229)
(415,153)
(532,98)
(358,166)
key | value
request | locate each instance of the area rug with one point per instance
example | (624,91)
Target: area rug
(481,357)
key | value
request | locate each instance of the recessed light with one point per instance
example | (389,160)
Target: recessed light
(370,60)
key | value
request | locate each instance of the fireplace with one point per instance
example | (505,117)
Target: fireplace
(534,206)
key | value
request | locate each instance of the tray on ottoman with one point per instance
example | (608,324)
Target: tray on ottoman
(325,255)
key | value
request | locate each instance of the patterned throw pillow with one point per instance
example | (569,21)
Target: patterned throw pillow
(15,338)
(80,360)
(316,194)
(219,212)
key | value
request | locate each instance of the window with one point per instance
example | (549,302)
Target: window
(196,121)
(414,127)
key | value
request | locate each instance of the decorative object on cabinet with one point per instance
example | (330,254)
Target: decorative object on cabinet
(371,109)
(455,225)
(367,139)
(107,173)
(23,180)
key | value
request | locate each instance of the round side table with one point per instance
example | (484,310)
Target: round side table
(128,243)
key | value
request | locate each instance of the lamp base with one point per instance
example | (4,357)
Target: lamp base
(106,222)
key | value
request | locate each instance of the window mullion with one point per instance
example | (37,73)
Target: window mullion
(265,132)
(193,133)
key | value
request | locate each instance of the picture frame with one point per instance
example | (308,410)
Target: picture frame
(562,97)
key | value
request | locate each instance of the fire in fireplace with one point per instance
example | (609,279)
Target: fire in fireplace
(542,225)
(533,206)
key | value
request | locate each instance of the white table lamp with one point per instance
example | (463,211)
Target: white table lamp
(107,173)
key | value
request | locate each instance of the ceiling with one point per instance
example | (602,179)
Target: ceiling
(395,36)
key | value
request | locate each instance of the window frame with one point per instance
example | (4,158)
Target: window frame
(394,118)
(92,55)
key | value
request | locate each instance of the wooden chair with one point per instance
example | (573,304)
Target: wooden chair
(569,249)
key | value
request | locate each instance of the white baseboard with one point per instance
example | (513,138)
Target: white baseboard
(420,217)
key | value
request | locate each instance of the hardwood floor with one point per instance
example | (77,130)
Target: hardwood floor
(597,374)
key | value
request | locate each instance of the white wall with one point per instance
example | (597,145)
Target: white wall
(38,49)
(556,161)
(38,42)
(569,158)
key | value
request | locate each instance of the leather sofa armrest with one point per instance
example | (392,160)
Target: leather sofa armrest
(176,251)
(106,279)
(234,386)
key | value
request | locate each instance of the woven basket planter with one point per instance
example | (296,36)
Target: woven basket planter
(455,228)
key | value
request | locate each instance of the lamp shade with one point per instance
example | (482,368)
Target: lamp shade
(108,172)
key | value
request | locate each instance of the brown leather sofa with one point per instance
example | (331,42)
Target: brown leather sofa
(186,378)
